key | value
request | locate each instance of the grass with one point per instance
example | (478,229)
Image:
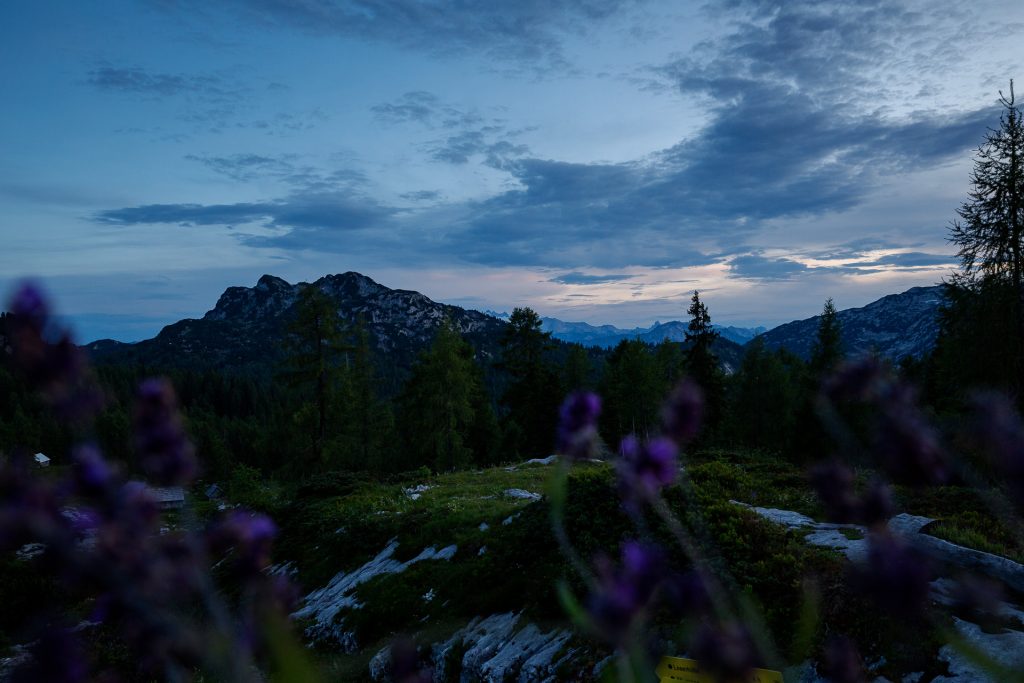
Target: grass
(963,517)
(965,531)
(346,521)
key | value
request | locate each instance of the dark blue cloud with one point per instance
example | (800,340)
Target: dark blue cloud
(304,215)
(138,81)
(758,267)
(578,278)
(418,106)
(522,33)
(913,259)
(287,168)
(466,145)
(422,196)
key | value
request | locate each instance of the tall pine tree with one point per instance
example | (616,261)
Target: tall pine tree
(827,350)
(314,346)
(701,362)
(981,337)
(441,406)
(533,394)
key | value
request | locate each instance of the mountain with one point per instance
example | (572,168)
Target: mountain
(245,329)
(895,326)
(607,336)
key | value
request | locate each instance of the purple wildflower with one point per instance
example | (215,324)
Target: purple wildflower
(164,450)
(996,426)
(862,380)
(29,304)
(896,575)
(623,592)
(683,412)
(645,469)
(54,368)
(727,651)
(841,662)
(688,593)
(56,657)
(834,481)
(909,447)
(93,474)
(407,665)
(577,425)
(249,536)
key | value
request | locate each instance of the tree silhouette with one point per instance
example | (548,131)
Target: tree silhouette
(827,350)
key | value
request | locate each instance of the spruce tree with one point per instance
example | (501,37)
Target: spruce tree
(701,362)
(989,232)
(981,336)
(827,350)
(314,345)
(533,393)
(439,404)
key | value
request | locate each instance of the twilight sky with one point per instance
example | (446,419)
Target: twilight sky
(594,159)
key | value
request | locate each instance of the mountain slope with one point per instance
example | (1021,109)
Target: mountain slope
(895,326)
(245,329)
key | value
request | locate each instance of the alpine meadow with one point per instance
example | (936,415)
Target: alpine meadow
(405,341)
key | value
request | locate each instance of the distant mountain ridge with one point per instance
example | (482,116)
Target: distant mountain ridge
(607,336)
(894,326)
(245,329)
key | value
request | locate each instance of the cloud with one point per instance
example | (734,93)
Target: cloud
(461,147)
(472,135)
(914,259)
(524,34)
(139,81)
(419,106)
(320,215)
(422,196)
(758,267)
(247,167)
(578,278)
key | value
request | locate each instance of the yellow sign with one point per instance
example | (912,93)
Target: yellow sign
(679,670)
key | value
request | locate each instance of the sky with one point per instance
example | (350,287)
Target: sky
(595,160)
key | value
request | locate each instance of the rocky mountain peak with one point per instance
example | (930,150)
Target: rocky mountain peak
(272,283)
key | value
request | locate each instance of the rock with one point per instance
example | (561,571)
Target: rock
(496,651)
(1007,649)
(484,526)
(511,518)
(323,605)
(415,492)
(540,461)
(380,665)
(522,494)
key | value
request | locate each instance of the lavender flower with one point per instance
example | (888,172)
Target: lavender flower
(56,657)
(623,592)
(683,412)
(896,575)
(577,425)
(727,651)
(996,426)
(406,664)
(249,536)
(645,469)
(862,380)
(909,447)
(55,369)
(833,482)
(93,475)
(164,450)
(841,662)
